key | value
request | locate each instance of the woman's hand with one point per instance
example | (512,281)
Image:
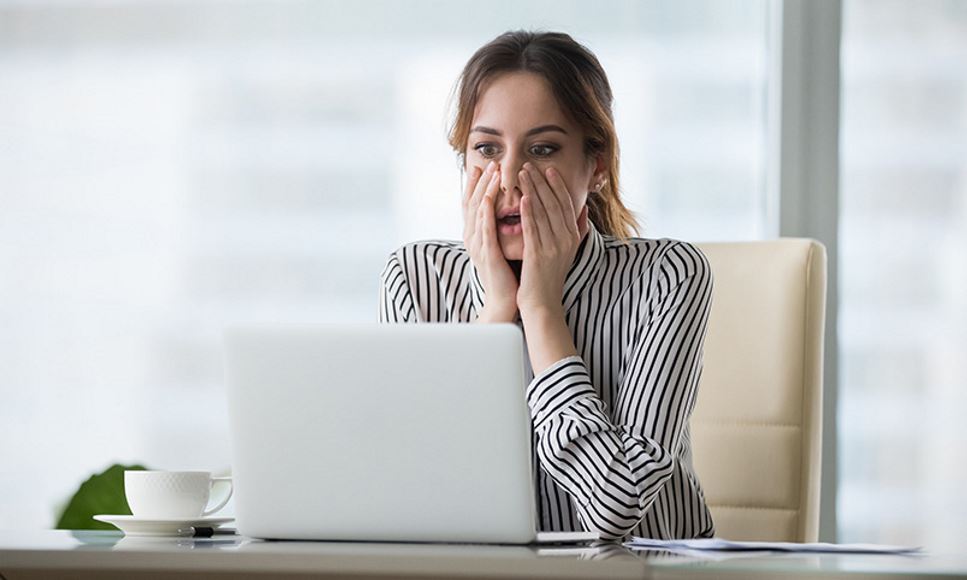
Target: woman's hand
(480,238)
(552,234)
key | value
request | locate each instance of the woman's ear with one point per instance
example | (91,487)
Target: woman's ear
(599,174)
(600,165)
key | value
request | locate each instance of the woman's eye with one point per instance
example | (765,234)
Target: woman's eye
(543,150)
(486,149)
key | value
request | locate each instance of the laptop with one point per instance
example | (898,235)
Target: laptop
(372,432)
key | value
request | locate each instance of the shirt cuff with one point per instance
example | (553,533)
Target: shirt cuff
(557,388)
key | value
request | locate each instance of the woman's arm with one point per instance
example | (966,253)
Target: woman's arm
(395,302)
(548,337)
(615,463)
(553,231)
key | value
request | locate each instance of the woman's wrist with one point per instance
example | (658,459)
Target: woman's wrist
(496,312)
(542,315)
(548,336)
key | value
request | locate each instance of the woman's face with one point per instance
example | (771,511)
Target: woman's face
(517,120)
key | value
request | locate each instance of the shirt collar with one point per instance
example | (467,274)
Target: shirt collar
(586,261)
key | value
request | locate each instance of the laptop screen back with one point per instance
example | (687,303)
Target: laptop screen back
(380,432)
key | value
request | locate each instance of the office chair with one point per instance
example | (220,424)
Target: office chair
(757,426)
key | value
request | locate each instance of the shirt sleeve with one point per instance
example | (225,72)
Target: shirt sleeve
(614,464)
(396,302)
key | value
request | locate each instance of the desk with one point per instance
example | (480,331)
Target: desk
(83,555)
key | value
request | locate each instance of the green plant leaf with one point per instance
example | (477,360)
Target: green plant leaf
(102,493)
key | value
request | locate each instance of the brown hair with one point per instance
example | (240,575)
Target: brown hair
(581,88)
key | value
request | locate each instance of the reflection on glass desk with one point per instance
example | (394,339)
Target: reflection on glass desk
(63,554)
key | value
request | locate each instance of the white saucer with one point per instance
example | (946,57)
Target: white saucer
(135,526)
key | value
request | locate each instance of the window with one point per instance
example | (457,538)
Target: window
(903,310)
(172,167)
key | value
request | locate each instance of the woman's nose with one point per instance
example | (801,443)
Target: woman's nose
(508,176)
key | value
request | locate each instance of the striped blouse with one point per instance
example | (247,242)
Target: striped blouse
(612,445)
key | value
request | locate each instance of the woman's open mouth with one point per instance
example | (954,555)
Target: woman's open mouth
(509,224)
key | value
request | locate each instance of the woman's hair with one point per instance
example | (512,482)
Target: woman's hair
(581,88)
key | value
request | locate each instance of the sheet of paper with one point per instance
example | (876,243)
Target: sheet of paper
(727,545)
(685,554)
(565,537)
(570,552)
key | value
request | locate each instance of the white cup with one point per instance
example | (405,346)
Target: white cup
(172,494)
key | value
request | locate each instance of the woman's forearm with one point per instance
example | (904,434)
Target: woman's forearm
(548,337)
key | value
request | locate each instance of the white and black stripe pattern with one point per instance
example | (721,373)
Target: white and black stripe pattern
(611,425)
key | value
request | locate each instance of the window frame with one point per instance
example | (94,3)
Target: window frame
(802,175)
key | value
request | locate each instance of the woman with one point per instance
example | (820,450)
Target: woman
(614,325)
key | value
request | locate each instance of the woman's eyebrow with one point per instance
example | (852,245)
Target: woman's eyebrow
(534,131)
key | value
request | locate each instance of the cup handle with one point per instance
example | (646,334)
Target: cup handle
(221,504)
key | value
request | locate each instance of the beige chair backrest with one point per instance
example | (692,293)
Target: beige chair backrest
(757,426)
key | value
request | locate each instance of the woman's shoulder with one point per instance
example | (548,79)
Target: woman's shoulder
(425,255)
(652,252)
(429,248)
(668,259)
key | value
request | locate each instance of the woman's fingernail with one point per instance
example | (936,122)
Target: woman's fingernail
(490,166)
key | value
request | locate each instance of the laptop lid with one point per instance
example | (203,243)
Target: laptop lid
(380,432)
